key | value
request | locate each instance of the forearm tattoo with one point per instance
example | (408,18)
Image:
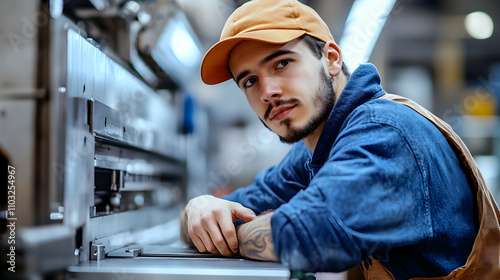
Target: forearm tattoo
(255,239)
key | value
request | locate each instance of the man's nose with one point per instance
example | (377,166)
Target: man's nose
(270,89)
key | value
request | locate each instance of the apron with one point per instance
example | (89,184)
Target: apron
(483,262)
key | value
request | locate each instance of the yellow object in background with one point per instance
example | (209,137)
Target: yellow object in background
(479,102)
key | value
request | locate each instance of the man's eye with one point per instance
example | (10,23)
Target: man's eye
(282,63)
(249,82)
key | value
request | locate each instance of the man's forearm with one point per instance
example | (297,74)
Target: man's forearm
(256,240)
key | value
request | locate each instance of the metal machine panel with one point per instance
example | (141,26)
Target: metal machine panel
(123,127)
(121,101)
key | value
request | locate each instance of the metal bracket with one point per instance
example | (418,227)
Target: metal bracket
(126,252)
(97,252)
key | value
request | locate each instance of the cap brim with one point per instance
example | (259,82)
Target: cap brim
(214,67)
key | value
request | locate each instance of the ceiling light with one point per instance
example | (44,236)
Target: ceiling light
(479,25)
(362,29)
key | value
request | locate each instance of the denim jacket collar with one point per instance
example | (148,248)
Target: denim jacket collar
(363,85)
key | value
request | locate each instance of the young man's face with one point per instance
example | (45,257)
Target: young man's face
(286,86)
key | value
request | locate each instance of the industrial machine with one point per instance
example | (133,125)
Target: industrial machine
(97,148)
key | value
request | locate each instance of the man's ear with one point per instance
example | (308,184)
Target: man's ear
(332,53)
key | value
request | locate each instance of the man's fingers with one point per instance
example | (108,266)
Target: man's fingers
(227,229)
(229,232)
(219,240)
(208,243)
(243,213)
(197,242)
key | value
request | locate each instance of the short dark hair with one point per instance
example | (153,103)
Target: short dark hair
(316,46)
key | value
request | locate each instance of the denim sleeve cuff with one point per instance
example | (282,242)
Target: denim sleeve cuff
(328,247)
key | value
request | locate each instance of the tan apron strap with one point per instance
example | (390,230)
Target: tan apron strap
(376,271)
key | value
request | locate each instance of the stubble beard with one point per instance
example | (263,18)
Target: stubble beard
(324,100)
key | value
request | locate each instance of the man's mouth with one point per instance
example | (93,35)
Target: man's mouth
(281,113)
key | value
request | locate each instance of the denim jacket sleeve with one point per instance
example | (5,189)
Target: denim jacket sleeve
(276,185)
(368,197)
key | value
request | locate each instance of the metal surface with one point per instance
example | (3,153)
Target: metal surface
(134,161)
(135,113)
(121,229)
(178,269)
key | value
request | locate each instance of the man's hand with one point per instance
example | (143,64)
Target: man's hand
(256,239)
(208,222)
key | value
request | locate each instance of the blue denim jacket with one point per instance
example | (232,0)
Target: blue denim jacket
(382,182)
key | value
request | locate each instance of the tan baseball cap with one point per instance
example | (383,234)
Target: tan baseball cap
(269,21)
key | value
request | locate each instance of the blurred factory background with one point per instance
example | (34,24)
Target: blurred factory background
(109,130)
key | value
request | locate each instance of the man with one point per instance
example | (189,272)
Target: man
(368,180)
